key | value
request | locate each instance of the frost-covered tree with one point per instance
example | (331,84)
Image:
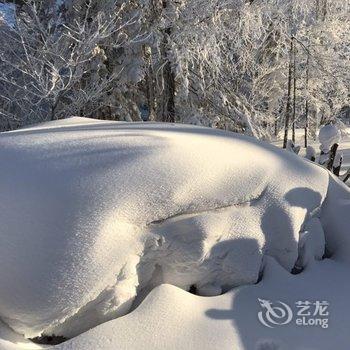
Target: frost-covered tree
(67,58)
(259,67)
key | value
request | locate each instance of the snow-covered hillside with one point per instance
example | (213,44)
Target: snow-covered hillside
(95,216)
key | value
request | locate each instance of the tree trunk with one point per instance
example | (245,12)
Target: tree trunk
(276,126)
(332,155)
(307,101)
(150,92)
(294,93)
(288,108)
(321,9)
(169,77)
(336,170)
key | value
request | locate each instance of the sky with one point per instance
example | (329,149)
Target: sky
(7,12)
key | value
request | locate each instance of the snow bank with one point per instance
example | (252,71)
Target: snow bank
(172,319)
(336,219)
(95,214)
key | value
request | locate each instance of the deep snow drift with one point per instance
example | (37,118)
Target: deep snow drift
(95,214)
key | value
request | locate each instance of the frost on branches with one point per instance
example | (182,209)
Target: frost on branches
(256,67)
(65,59)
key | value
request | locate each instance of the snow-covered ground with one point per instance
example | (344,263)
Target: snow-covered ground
(102,219)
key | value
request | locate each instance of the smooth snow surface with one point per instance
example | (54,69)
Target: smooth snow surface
(96,214)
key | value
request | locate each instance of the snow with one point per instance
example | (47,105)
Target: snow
(338,159)
(96,216)
(172,319)
(310,153)
(292,148)
(328,136)
(344,146)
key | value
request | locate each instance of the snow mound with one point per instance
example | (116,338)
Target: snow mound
(95,214)
(328,136)
(172,319)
